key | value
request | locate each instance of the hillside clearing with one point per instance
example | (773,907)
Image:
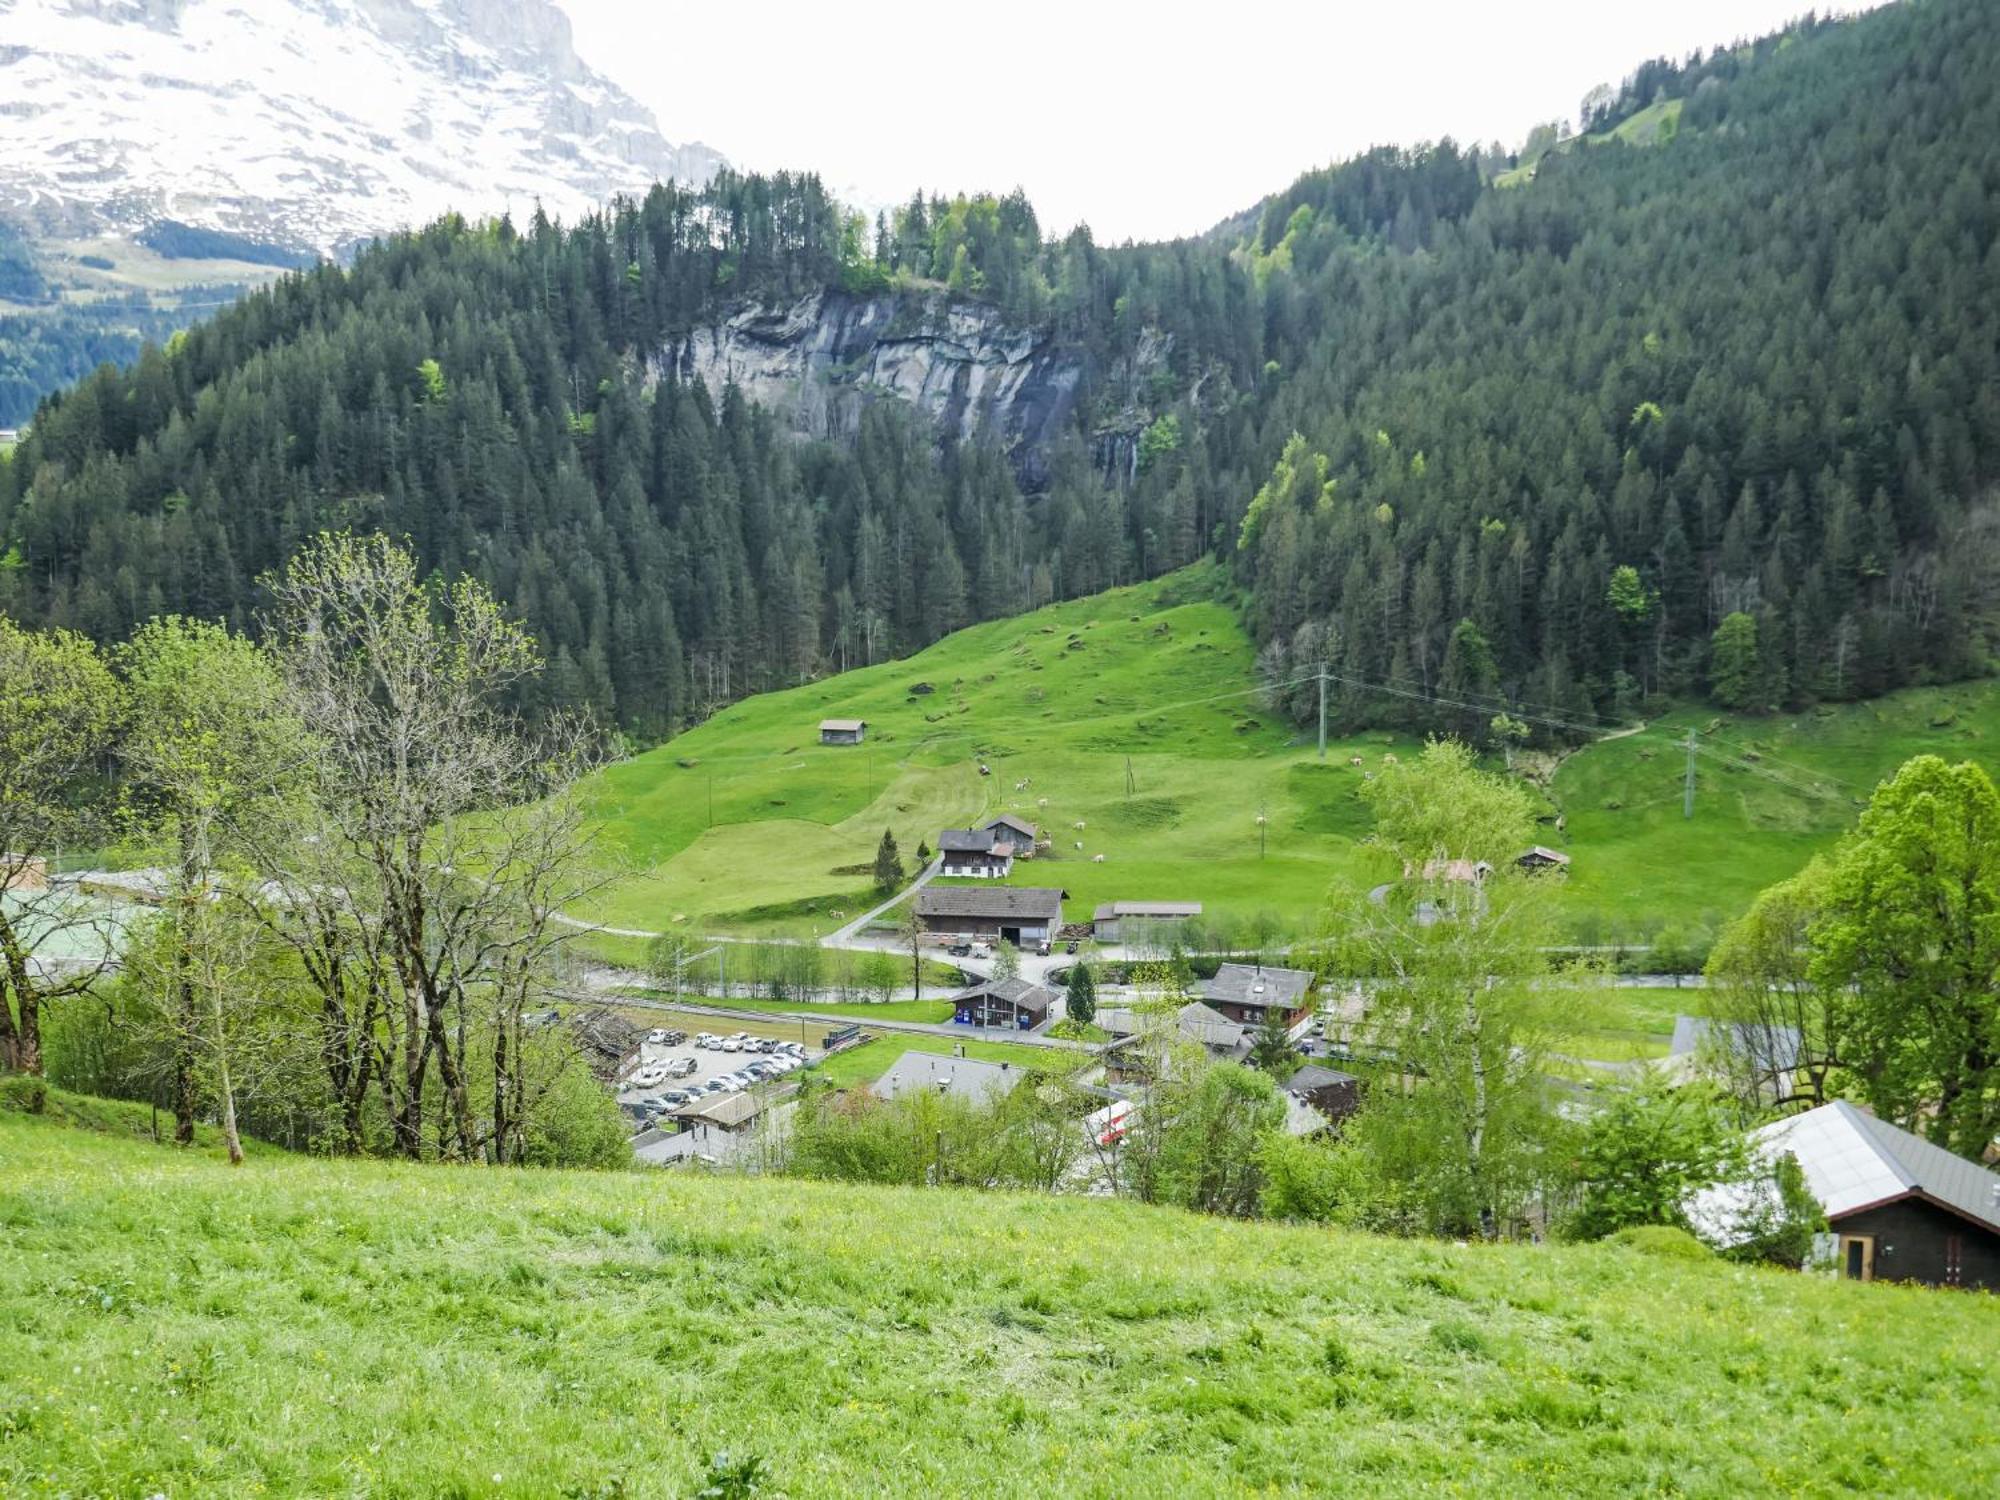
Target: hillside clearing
(302,1326)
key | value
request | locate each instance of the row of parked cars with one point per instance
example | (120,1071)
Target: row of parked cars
(652,1075)
(741,1042)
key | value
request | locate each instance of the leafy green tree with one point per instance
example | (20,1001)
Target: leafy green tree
(1199,1137)
(1784,1027)
(212,751)
(1649,1148)
(1271,1049)
(1082,992)
(888,863)
(61,709)
(1909,939)
(1734,675)
(1006,960)
(1461,1002)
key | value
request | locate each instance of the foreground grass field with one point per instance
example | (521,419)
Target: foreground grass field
(300,1327)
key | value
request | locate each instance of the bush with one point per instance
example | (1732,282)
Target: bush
(1663,1240)
(23,1094)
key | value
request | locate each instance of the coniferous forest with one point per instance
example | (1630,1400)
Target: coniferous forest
(1708,408)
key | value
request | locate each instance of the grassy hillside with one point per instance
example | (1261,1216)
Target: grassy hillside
(1157,678)
(303,1327)
(1770,792)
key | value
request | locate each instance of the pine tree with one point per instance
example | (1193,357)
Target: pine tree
(888,863)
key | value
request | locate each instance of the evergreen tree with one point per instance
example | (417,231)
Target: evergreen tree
(888,863)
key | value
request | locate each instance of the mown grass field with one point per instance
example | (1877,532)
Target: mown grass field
(304,1327)
(1154,682)
(1770,793)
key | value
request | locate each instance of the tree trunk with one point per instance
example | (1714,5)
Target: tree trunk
(185,1016)
(227,1088)
(20,1040)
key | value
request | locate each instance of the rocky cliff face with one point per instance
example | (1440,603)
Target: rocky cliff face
(819,360)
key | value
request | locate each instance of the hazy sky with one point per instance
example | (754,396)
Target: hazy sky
(1144,120)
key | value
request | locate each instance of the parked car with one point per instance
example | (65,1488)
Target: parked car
(682,1067)
(730,1044)
(675,1038)
(705,1040)
(657,1035)
(960,950)
(675,1098)
(650,1077)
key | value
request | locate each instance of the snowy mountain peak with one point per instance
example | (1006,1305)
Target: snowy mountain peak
(310,123)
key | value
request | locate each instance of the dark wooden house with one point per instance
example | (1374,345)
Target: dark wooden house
(1247,993)
(842,731)
(1897,1207)
(1013,1003)
(975,853)
(1335,1094)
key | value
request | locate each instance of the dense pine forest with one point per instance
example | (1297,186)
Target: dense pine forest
(1711,409)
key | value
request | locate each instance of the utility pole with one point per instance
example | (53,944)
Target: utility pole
(1128,776)
(1687,789)
(1322,710)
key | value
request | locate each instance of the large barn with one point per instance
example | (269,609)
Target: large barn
(1021,915)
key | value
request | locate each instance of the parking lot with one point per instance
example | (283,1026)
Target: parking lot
(709,1064)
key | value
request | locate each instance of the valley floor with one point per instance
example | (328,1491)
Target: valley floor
(298,1327)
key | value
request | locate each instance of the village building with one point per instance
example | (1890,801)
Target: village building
(1247,994)
(1457,871)
(1335,1094)
(842,731)
(1897,1207)
(23,873)
(989,851)
(1014,1003)
(1025,916)
(961,1077)
(1017,831)
(1127,1061)
(1541,857)
(1140,921)
(975,853)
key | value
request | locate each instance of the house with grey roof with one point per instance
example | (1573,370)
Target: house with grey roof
(1335,1094)
(1897,1207)
(976,853)
(1016,1004)
(961,1077)
(1246,994)
(842,731)
(1021,915)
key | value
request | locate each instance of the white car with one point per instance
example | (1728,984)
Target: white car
(730,1044)
(706,1040)
(657,1035)
(651,1077)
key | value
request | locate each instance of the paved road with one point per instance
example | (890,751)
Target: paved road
(850,935)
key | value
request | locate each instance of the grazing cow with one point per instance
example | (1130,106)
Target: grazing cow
(1354,760)
(1097,859)
(1078,844)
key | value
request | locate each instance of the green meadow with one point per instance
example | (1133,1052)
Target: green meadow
(307,1327)
(1133,713)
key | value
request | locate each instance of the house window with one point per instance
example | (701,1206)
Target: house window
(1954,1259)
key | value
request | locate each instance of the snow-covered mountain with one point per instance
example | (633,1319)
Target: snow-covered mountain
(310,123)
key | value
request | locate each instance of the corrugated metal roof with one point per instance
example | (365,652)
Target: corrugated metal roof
(847,725)
(966,1077)
(1244,984)
(1111,910)
(1851,1161)
(1011,902)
